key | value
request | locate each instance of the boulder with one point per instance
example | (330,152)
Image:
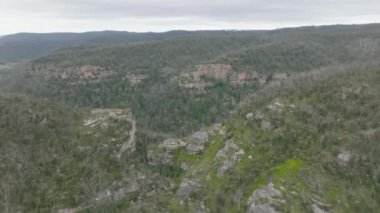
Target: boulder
(196,142)
(344,156)
(44,123)
(199,207)
(370,132)
(217,129)
(157,158)
(316,209)
(266,125)
(259,116)
(276,106)
(230,154)
(249,116)
(135,80)
(171,144)
(280,76)
(262,199)
(184,166)
(187,188)
(67,210)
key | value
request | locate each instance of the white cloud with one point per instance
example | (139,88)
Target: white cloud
(163,15)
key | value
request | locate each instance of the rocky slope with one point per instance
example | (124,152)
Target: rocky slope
(55,156)
(306,146)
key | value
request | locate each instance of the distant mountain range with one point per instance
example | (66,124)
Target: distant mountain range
(25,46)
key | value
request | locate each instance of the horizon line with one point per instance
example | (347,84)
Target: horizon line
(195,30)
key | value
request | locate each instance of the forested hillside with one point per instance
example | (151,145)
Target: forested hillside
(220,121)
(308,145)
(27,46)
(195,81)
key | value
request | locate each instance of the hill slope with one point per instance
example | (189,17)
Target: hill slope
(213,72)
(52,156)
(308,146)
(287,121)
(27,46)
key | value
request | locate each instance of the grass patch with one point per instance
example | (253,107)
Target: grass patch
(182,155)
(333,194)
(289,168)
(119,206)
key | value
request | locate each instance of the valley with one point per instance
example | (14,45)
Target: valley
(271,121)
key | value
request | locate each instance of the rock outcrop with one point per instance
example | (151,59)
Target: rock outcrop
(184,166)
(276,106)
(195,79)
(196,142)
(160,155)
(317,209)
(217,129)
(262,199)
(199,207)
(172,143)
(280,76)
(135,80)
(89,71)
(187,188)
(265,124)
(122,123)
(74,73)
(215,71)
(68,210)
(229,155)
(249,116)
(102,117)
(130,145)
(344,156)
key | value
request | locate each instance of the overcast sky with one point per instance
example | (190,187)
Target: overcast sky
(164,15)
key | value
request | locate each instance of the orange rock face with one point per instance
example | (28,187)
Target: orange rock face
(88,71)
(216,71)
(77,73)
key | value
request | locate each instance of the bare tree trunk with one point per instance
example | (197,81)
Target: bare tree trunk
(4,193)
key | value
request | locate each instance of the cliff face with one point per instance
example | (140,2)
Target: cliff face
(200,78)
(215,71)
(72,73)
